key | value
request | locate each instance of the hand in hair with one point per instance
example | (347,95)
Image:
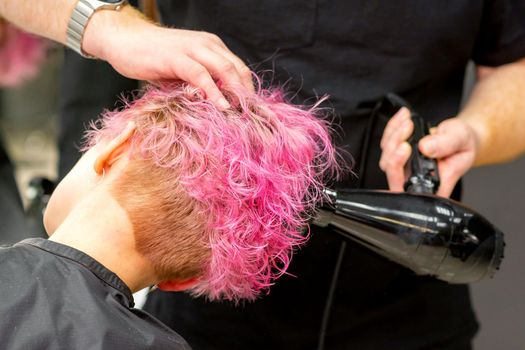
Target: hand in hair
(142,50)
(138,48)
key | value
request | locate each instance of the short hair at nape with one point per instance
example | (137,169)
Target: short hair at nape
(222,194)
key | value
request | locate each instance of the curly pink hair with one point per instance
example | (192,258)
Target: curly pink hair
(254,173)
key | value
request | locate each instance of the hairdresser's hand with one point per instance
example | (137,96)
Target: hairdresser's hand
(453,142)
(142,50)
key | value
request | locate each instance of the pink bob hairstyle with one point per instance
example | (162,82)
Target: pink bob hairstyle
(21,55)
(253,175)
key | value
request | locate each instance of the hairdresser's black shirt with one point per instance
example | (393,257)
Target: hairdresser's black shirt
(55,297)
(354,51)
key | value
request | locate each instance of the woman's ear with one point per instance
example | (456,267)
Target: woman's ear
(113,149)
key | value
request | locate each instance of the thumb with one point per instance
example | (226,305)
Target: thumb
(441,145)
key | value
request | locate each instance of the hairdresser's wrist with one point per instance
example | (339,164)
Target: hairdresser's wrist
(106,31)
(480,132)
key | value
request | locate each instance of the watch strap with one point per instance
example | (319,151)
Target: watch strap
(80,17)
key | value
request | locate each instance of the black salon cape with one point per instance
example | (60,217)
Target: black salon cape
(55,297)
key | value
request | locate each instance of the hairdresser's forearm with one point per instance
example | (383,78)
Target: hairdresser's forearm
(47,18)
(496,111)
(137,48)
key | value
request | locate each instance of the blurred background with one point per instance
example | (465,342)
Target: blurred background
(28,123)
(28,127)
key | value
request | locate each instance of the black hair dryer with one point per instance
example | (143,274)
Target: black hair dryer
(428,234)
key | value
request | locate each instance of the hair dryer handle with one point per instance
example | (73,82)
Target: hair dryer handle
(423,171)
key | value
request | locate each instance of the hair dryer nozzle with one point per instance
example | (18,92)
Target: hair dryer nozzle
(428,234)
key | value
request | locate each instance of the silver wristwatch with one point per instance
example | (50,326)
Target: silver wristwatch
(80,18)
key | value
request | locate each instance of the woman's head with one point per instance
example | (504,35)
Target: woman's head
(219,195)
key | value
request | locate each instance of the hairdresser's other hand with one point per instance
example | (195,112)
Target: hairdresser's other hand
(139,49)
(453,143)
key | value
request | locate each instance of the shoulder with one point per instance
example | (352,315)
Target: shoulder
(501,36)
(108,324)
(48,295)
(18,262)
